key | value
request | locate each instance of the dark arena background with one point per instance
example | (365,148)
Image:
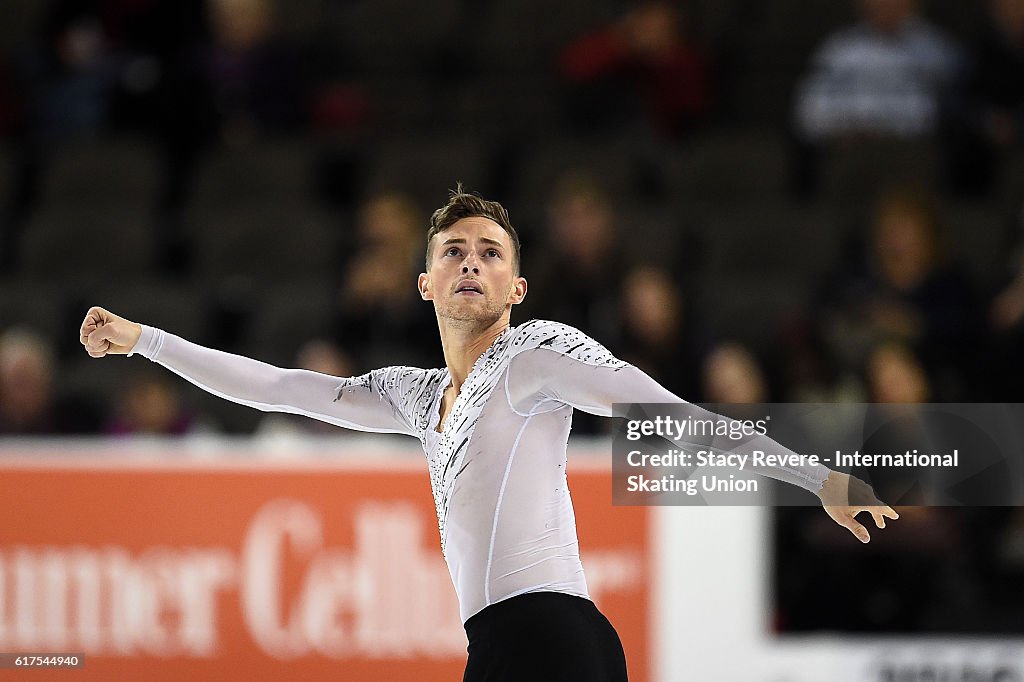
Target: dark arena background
(751,200)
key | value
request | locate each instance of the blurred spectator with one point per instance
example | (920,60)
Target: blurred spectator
(258,81)
(109,65)
(997,533)
(1007,309)
(894,375)
(380,311)
(1000,63)
(26,384)
(913,561)
(732,375)
(28,403)
(988,115)
(150,405)
(811,372)
(316,355)
(905,288)
(1006,322)
(70,73)
(656,330)
(64,80)
(169,39)
(885,75)
(391,222)
(647,51)
(576,276)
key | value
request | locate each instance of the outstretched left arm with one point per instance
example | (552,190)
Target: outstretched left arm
(540,375)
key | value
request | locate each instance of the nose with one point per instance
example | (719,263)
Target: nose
(471,263)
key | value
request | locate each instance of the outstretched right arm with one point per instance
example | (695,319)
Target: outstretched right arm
(358,403)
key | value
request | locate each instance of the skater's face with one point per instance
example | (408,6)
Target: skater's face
(472,275)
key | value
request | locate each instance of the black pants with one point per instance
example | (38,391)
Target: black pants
(543,636)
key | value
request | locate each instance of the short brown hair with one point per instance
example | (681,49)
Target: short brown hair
(462,204)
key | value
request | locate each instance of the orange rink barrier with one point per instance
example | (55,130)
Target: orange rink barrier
(236,566)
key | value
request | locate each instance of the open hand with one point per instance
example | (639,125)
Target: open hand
(844,496)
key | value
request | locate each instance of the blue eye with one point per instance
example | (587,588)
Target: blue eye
(452,251)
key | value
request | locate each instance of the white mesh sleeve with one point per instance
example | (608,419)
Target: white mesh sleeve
(540,379)
(360,403)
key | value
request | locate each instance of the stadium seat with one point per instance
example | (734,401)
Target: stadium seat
(426,168)
(268,240)
(261,170)
(289,315)
(856,170)
(769,51)
(750,308)
(21,19)
(612,163)
(34,304)
(526,35)
(730,168)
(111,170)
(771,240)
(391,37)
(66,241)
(1013,180)
(7,173)
(179,308)
(979,237)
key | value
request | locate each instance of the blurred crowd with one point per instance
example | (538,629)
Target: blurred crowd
(751,201)
(895,315)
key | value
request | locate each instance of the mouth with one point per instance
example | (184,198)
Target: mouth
(469,288)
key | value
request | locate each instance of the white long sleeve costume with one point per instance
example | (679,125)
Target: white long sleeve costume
(497,468)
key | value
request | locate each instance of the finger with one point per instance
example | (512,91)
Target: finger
(859,531)
(93,317)
(97,342)
(101,334)
(878,517)
(890,512)
(87,328)
(99,351)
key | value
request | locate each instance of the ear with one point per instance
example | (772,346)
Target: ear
(518,291)
(423,284)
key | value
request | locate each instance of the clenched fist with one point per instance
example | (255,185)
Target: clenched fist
(104,332)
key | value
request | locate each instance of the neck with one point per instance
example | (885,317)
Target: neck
(464,342)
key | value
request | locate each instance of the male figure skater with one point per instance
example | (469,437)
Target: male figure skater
(494,424)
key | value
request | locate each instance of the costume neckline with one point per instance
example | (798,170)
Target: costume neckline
(446,383)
